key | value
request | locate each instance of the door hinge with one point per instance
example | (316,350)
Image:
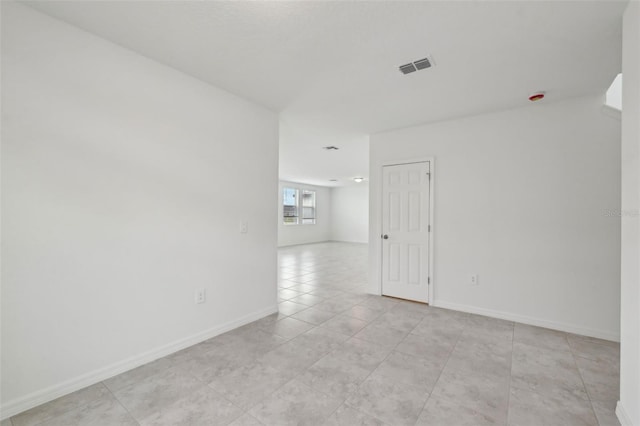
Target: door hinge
(428,280)
(429,228)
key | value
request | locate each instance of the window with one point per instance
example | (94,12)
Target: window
(308,207)
(298,206)
(290,206)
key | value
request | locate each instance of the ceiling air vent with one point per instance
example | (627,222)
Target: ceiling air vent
(406,69)
(420,64)
(329,148)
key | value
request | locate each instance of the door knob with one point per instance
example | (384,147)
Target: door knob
(385,236)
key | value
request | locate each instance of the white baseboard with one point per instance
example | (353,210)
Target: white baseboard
(623,417)
(570,328)
(18,405)
(302,243)
(350,241)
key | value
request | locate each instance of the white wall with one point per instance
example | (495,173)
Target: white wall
(123,184)
(350,213)
(521,198)
(304,234)
(629,406)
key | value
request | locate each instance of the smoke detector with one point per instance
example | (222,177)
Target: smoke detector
(414,66)
(536,96)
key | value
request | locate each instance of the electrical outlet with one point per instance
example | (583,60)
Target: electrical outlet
(244,226)
(473,279)
(201,295)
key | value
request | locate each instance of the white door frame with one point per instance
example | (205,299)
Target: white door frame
(375,227)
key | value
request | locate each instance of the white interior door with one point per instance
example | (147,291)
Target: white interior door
(405,231)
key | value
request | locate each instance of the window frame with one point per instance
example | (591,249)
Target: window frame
(313,208)
(299,206)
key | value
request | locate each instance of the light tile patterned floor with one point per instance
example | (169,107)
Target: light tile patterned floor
(337,356)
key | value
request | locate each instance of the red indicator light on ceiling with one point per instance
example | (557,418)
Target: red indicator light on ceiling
(536,96)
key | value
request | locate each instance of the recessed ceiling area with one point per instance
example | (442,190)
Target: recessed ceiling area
(330,69)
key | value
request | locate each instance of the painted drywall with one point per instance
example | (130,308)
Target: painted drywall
(613,97)
(305,234)
(350,213)
(628,409)
(123,186)
(525,199)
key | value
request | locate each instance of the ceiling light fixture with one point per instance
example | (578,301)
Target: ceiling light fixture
(358,179)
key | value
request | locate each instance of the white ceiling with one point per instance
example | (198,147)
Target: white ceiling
(330,68)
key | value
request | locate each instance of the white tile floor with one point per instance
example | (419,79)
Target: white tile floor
(337,356)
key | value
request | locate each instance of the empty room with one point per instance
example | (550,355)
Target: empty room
(320,213)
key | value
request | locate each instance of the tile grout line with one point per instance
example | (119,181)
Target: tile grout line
(440,374)
(574,356)
(42,422)
(344,402)
(232,404)
(287,382)
(381,362)
(121,404)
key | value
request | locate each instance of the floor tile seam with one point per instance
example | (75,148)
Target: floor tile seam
(307,322)
(584,385)
(343,401)
(113,395)
(44,422)
(368,321)
(336,410)
(576,356)
(223,397)
(587,339)
(252,359)
(545,349)
(296,377)
(439,376)
(66,411)
(323,357)
(318,326)
(265,397)
(369,375)
(255,355)
(252,416)
(597,359)
(414,327)
(552,393)
(366,413)
(589,401)
(188,373)
(395,382)
(384,423)
(453,346)
(288,339)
